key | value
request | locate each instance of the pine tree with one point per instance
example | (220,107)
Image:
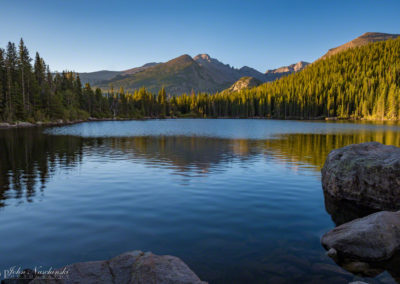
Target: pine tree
(11,77)
(2,84)
(393,104)
(24,68)
(162,100)
(40,77)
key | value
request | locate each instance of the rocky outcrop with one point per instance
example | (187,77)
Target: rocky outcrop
(134,267)
(289,69)
(275,74)
(366,174)
(244,83)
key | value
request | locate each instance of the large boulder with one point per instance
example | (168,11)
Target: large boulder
(367,174)
(375,237)
(132,267)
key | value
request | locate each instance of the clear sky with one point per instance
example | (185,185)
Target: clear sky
(89,35)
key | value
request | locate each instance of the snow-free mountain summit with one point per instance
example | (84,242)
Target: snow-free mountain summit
(203,73)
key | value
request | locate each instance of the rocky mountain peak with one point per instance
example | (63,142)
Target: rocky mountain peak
(203,56)
(289,69)
(183,59)
(299,66)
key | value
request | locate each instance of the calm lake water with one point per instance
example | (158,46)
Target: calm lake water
(240,201)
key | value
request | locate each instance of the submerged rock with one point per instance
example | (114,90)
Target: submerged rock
(132,267)
(367,174)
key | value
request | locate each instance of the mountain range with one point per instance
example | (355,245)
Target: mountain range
(203,73)
(183,74)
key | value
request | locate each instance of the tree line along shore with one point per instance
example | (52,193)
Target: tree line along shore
(359,83)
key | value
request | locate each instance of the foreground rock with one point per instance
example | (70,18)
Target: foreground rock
(367,246)
(367,174)
(132,267)
(375,237)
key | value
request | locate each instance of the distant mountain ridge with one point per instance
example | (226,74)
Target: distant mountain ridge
(224,72)
(274,74)
(179,75)
(103,75)
(183,74)
(203,73)
(360,41)
(97,76)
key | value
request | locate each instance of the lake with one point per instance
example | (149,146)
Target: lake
(239,201)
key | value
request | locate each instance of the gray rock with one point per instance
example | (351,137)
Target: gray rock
(375,237)
(318,267)
(24,124)
(367,174)
(332,253)
(151,268)
(133,267)
(244,83)
(362,268)
(4,125)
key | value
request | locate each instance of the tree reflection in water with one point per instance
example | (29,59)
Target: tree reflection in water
(29,157)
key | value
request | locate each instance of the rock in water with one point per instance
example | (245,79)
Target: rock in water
(132,267)
(367,174)
(375,237)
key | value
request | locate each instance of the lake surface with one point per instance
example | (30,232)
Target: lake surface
(240,201)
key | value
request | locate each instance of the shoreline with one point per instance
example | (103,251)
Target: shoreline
(60,122)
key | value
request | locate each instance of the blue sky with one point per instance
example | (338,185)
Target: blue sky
(89,35)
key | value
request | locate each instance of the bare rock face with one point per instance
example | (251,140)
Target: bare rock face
(244,83)
(367,174)
(289,69)
(375,237)
(133,267)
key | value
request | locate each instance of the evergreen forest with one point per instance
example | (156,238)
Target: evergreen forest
(359,83)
